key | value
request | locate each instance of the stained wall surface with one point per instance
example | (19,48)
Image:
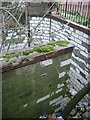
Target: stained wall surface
(33,90)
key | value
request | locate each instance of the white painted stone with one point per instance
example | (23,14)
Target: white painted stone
(66,62)
(68,31)
(9,37)
(72,69)
(44,74)
(86,36)
(52,93)
(77,70)
(72,62)
(72,29)
(43,98)
(25,105)
(54,100)
(59,108)
(59,90)
(84,54)
(60,85)
(59,102)
(81,69)
(61,74)
(75,35)
(78,40)
(10,34)
(73,55)
(46,63)
(62,36)
(74,43)
(82,39)
(23,35)
(88,65)
(72,91)
(81,60)
(81,47)
(79,32)
(16,36)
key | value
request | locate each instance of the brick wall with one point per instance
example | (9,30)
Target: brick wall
(80,64)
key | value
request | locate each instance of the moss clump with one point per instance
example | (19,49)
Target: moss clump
(25,60)
(27,52)
(59,43)
(46,48)
(8,56)
(11,53)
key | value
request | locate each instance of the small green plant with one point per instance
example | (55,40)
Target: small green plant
(59,43)
(27,52)
(46,48)
(7,56)
(25,60)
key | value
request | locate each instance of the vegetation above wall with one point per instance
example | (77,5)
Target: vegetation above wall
(45,48)
(60,43)
(32,55)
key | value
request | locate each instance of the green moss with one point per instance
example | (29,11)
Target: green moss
(25,60)
(27,52)
(46,48)
(11,53)
(59,43)
(7,56)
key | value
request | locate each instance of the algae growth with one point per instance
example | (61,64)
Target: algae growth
(59,43)
(27,52)
(45,48)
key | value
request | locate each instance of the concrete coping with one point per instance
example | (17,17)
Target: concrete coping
(35,57)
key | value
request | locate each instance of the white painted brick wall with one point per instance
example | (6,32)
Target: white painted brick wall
(75,35)
(82,38)
(85,35)
(82,48)
(77,40)
(79,32)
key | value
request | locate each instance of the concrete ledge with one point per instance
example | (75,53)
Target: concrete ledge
(37,57)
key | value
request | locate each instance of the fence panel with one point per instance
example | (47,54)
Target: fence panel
(77,12)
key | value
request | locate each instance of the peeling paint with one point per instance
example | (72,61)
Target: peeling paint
(25,105)
(66,62)
(43,74)
(55,100)
(52,94)
(61,74)
(46,63)
(43,98)
(59,90)
(60,85)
